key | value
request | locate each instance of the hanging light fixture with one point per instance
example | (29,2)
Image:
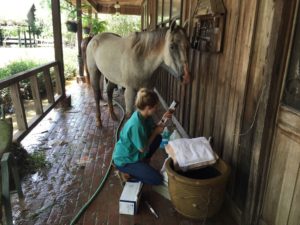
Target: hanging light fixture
(117,7)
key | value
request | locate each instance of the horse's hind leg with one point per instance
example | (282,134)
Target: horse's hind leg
(110,90)
(95,78)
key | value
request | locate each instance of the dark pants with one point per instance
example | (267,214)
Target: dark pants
(142,171)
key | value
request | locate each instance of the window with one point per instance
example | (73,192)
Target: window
(145,13)
(168,10)
(176,8)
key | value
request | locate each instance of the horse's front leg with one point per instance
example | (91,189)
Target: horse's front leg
(110,90)
(129,100)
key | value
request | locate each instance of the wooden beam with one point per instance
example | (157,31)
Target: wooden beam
(125,10)
(58,47)
(90,11)
(18,106)
(79,36)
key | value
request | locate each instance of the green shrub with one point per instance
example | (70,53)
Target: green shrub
(17,67)
(25,89)
(28,163)
(70,71)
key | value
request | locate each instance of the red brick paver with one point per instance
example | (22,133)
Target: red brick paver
(79,154)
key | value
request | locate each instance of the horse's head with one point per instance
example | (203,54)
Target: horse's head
(175,52)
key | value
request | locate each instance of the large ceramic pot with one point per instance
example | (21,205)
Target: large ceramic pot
(197,198)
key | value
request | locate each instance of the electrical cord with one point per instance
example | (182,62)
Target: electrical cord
(102,182)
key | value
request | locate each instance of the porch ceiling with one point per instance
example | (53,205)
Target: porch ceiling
(127,7)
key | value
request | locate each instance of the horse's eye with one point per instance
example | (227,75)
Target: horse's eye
(172,46)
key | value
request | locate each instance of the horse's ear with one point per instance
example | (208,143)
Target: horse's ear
(173,25)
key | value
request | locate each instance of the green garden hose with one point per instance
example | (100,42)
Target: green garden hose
(102,182)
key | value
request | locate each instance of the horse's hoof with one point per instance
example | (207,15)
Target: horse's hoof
(114,117)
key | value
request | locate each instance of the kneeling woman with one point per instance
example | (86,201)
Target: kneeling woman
(139,139)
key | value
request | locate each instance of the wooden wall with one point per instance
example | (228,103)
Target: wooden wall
(230,92)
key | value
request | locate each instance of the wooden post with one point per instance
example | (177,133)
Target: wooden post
(29,31)
(90,11)
(58,47)
(79,36)
(25,40)
(19,107)
(1,37)
(58,83)
(19,37)
(36,95)
(49,86)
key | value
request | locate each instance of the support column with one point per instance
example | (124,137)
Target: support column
(79,37)
(29,31)
(90,11)
(58,47)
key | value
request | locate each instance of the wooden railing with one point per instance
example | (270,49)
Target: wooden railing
(25,126)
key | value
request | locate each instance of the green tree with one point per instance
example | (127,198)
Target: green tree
(123,24)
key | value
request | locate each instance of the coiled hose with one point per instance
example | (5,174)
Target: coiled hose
(102,182)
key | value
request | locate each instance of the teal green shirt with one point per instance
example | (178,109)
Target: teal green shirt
(133,137)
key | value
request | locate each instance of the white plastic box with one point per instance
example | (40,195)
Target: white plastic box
(130,197)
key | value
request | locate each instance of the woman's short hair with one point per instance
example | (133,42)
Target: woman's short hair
(146,97)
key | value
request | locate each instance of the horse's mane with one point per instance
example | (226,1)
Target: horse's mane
(143,42)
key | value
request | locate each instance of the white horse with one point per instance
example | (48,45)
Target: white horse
(130,61)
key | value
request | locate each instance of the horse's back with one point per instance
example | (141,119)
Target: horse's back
(105,50)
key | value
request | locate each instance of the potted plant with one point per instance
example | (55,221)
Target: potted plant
(71,22)
(71,26)
(98,26)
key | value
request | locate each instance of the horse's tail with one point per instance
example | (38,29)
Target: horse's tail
(83,46)
(94,72)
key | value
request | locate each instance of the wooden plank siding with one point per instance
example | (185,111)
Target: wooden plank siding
(230,92)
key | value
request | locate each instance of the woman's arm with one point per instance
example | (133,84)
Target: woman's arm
(157,130)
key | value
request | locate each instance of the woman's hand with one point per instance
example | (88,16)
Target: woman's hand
(159,128)
(168,114)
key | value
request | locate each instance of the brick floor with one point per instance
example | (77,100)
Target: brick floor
(55,195)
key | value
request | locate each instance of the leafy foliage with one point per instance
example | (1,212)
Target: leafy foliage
(122,24)
(16,67)
(98,26)
(28,163)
